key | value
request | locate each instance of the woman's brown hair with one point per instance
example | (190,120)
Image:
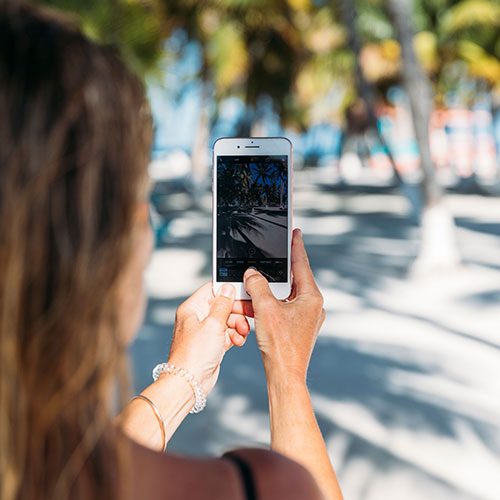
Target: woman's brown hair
(75,136)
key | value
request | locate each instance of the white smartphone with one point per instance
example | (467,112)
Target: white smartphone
(252,212)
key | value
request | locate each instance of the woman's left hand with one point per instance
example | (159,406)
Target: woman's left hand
(206,326)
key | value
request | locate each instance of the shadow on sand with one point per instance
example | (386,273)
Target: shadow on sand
(359,262)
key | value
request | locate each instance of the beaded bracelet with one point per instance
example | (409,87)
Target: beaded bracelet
(199,393)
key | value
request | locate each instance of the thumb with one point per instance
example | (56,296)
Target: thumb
(222,306)
(257,287)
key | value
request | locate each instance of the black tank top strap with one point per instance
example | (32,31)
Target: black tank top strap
(246,474)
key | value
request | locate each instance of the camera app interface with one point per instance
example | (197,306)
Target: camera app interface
(252,216)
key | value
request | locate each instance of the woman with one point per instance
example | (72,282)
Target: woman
(75,133)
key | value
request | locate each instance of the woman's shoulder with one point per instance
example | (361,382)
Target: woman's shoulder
(274,475)
(170,477)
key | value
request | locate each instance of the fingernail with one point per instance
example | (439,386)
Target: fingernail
(250,271)
(299,232)
(227,291)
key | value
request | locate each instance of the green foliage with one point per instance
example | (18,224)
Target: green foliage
(373,23)
(249,48)
(471,14)
(296,51)
(133,26)
(451,36)
(227,56)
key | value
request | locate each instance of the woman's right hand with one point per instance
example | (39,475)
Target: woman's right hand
(286,330)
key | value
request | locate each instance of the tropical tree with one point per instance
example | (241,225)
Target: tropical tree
(459,34)
(247,48)
(134,27)
(297,53)
(364,88)
(452,39)
(438,246)
(449,40)
(420,95)
(263,172)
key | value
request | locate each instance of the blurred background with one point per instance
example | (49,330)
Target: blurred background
(393,108)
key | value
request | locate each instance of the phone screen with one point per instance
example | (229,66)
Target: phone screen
(252,216)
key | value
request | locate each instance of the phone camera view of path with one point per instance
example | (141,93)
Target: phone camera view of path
(252,216)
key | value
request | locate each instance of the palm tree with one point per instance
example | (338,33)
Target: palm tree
(263,171)
(282,173)
(134,28)
(438,248)
(465,31)
(365,89)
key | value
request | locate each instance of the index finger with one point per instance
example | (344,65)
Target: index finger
(302,274)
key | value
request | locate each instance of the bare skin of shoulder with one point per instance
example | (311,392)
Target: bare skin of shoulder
(156,476)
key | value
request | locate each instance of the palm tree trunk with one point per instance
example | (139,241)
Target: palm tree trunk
(364,88)
(200,144)
(438,248)
(200,161)
(420,95)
